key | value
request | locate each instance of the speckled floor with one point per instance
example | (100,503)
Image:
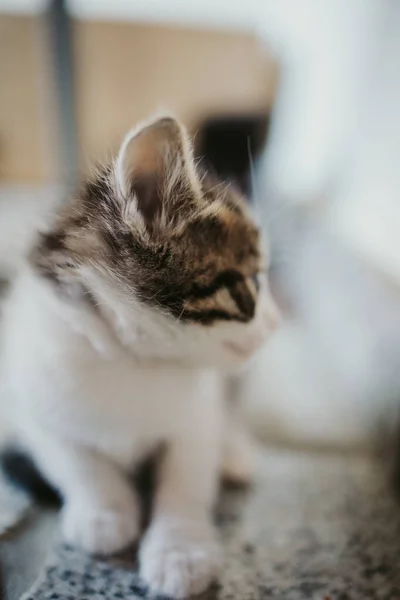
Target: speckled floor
(314,528)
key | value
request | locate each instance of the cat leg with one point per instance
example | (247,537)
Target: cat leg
(101,511)
(239,452)
(180,554)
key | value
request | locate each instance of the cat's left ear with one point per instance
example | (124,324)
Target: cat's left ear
(155,174)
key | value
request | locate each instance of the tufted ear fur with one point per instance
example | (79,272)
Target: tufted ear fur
(155,174)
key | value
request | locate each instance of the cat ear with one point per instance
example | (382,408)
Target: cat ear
(154,172)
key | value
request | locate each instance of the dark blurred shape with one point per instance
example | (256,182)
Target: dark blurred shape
(229,143)
(396,470)
(21,471)
(61,43)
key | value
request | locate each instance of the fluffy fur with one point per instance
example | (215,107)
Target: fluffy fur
(150,282)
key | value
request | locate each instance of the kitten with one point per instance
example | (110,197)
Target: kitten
(149,284)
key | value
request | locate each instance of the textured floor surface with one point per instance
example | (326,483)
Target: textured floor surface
(313,528)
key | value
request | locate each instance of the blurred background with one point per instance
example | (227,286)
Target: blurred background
(298,102)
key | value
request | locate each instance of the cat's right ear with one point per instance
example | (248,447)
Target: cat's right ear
(155,175)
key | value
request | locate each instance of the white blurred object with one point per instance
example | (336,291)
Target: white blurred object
(366,208)
(330,376)
(336,124)
(225,14)
(324,51)
(23,211)
(333,160)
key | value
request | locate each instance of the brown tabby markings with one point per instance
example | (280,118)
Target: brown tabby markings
(200,267)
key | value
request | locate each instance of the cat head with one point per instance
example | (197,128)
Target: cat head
(170,259)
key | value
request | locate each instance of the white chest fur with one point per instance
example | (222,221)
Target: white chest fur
(60,382)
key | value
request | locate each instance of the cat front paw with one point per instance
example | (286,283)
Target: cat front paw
(100,530)
(178,560)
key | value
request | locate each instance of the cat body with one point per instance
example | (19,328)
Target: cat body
(74,399)
(145,289)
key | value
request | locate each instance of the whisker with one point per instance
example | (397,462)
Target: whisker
(254,191)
